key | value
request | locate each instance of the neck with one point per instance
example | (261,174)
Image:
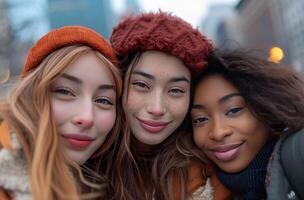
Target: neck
(142,150)
(249,183)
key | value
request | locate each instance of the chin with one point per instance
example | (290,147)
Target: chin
(232,168)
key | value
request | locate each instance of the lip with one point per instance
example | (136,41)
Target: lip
(153,126)
(77,141)
(226,152)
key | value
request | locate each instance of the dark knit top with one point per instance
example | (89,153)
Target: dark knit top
(249,184)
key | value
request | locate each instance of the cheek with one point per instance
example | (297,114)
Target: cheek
(105,121)
(199,137)
(179,108)
(250,126)
(60,111)
(132,101)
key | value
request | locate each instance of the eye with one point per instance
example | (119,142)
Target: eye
(104,101)
(64,92)
(176,91)
(234,111)
(200,120)
(140,85)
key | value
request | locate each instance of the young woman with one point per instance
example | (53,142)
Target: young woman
(243,110)
(61,113)
(159,53)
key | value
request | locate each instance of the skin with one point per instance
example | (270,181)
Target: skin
(156,99)
(224,128)
(83,103)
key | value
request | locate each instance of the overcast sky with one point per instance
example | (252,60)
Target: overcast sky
(192,11)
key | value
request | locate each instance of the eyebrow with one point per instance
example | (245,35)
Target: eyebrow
(71,78)
(228,96)
(178,79)
(149,76)
(78,81)
(221,100)
(106,87)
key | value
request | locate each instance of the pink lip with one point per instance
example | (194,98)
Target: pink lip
(77,141)
(226,152)
(153,126)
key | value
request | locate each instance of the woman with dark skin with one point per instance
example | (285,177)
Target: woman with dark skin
(243,109)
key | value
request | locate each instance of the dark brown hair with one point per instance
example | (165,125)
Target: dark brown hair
(152,175)
(274,93)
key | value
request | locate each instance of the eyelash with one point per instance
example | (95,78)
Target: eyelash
(234,111)
(104,101)
(176,91)
(64,91)
(140,85)
(199,120)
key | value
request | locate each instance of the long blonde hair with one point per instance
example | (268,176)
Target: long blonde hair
(28,113)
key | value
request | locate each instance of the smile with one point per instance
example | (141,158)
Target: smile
(153,126)
(226,152)
(77,141)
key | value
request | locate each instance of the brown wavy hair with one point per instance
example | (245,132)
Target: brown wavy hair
(152,175)
(28,112)
(273,92)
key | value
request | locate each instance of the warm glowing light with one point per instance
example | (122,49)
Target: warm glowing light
(276,54)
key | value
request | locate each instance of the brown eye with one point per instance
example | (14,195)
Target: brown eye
(234,111)
(140,84)
(200,120)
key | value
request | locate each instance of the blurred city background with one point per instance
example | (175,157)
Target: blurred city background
(274,29)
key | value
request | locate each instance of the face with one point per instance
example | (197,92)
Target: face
(83,102)
(223,126)
(156,98)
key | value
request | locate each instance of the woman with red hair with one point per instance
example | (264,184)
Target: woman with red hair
(59,115)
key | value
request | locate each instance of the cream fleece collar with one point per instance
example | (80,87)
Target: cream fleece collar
(13,171)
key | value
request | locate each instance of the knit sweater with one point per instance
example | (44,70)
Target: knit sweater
(249,183)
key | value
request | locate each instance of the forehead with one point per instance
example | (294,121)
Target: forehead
(161,64)
(213,86)
(92,68)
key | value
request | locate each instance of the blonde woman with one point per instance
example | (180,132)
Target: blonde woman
(61,113)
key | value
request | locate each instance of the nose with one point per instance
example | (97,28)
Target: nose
(84,116)
(156,104)
(219,130)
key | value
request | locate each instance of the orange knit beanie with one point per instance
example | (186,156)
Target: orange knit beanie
(66,36)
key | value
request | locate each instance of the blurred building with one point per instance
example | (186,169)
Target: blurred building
(27,22)
(291,28)
(28,19)
(96,14)
(5,38)
(260,25)
(132,6)
(212,26)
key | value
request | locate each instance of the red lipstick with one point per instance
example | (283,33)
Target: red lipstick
(77,141)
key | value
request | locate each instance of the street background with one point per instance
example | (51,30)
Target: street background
(272,29)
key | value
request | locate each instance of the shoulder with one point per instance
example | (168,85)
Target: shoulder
(202,178)
(203,192)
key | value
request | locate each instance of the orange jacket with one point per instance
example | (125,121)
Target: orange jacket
(4,195)
(197,179)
